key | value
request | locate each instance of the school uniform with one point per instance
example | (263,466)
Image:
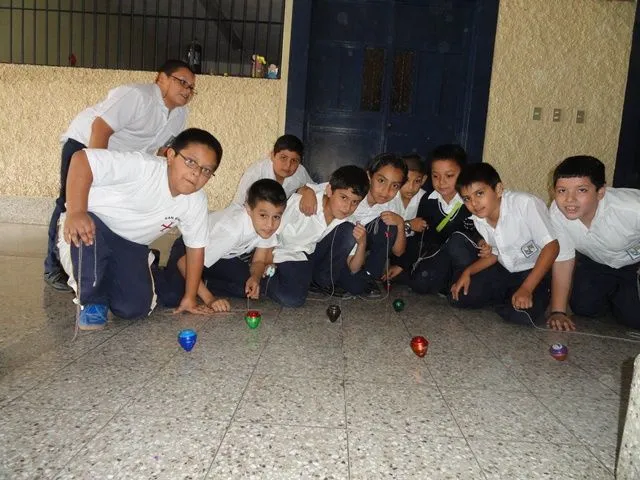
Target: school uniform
(141,122)
(523,230)
(131,205)
(309,250)
(607,256)
(231,240)
(447,247)
(264,169)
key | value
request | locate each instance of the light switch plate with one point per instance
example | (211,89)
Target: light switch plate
(557,113)
(537,113)
(580,116)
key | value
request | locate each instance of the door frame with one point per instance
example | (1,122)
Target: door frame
(477,91)
(627,167)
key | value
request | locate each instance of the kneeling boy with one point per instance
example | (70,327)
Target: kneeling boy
(232,267)
(117,204)
(514,277)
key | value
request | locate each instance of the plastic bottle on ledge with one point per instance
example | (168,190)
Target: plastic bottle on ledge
(194,56)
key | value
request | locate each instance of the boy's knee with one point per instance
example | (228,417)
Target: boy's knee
(132,311)
(288,299)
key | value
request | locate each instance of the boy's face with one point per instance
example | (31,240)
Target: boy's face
(265,217)
(385,183)
(342,202)
(577,197)
(444,174)
(177,89)
(190,168)
(413,184)
(285,163)
(482,200)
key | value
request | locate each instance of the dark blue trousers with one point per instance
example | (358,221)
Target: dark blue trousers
(290,284)
(380,240)
(435,273)
(494,287)
(52,261)
(598,288)
(114,272)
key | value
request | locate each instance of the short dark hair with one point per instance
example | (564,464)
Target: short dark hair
(477,172)
(172,66)
(289,142)
(200,137)
(415,163)
(581,166)
(450,151)
(384,159)
(350,177)
(266,190)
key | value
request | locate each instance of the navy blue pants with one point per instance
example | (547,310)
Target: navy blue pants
(494,287)
(380,240)
(115,272)
(435,273)
(598,288)
(52,261)
(290,284)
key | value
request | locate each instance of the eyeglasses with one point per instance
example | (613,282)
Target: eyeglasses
(193,165)
(184,84)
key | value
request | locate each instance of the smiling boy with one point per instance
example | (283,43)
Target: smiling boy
(599,233)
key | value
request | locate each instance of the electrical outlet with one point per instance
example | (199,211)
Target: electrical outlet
(557,114)
(537,113)
(580,116)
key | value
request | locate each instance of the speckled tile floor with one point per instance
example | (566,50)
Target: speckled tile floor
(299,397)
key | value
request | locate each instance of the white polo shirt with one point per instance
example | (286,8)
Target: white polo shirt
(138,117)
(299,234)
(614,236)
(231,234)
(264,169)
(130,194)
(522,231)
(444,206)
(411,210)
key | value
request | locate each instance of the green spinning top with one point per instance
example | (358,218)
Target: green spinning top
(253,318)
(398,304)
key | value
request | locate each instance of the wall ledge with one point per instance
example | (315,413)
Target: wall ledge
(26,210)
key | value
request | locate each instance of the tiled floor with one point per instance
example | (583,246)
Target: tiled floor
(299,397)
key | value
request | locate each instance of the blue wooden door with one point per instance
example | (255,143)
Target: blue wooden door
(387,75)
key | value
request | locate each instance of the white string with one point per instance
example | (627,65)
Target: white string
(79,306)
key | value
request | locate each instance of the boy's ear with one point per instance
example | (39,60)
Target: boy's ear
(601,192)
(499,189)
(328,191)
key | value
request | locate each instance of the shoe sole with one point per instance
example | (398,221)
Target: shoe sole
(91,328)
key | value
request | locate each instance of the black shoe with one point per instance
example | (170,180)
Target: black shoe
(334,291)
(58,280)
(373,291)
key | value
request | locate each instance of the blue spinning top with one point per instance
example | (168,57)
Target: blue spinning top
(187,339)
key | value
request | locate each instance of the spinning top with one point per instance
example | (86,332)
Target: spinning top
(419,346)
(333,312)
(187,339)
(558,351)
(253,318)
(398,304)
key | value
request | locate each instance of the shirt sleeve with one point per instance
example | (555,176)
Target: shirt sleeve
(305,178)
(112,168)
(194,226)
(539,222)
(248,178)
(121,107)
(567,247)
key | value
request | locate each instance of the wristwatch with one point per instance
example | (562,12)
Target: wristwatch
(407,228)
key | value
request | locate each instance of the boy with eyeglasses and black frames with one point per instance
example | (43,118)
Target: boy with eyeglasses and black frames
(120,202)
(136,117)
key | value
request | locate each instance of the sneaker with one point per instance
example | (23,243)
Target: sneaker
(93,317)
(58,280)
(373,293)
(336,291)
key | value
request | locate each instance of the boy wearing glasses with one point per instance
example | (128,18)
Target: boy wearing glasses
(137,117)
(120,202)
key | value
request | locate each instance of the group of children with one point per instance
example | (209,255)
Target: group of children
(284,236)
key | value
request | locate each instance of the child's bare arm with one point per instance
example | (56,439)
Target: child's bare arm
(193,274)
(356,260)
(523,298)
(100,134)
(261,258)
(79,226)
(309,201)
(391,218)
(465,278)
(561,280)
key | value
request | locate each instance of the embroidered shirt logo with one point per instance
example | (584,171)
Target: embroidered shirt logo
(529,248)
(634,252)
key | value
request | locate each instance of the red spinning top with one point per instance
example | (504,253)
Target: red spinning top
(419,346)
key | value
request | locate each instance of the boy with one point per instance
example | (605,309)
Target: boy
(319,247)
(599,233)
(283,166)
(118,203)
(514,277)
(139,117)
(387,173)
(234,233)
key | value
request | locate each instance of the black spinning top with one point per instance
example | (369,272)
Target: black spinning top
(333,312)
